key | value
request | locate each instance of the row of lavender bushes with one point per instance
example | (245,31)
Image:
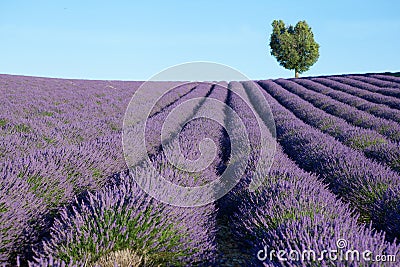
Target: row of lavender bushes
(371,143)
(371,188)
(370,84)
(293,210)
(338,83)
(330,88)
(388,128)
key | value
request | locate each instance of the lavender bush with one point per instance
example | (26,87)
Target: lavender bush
(123,217)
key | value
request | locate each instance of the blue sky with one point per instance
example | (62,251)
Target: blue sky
(133,40)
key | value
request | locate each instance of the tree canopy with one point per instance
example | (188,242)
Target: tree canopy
(294,47)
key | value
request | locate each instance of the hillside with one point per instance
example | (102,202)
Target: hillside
(66,191)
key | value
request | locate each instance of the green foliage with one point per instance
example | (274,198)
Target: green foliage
(46,113)
(51,195)
(290,215)
(22,128)
(395,164)
(363,142)
(3,207)
(72,173)
(367,198)
(49,140)
(395,74)
(97,173)
(3,122)
(294,47)
(114,126)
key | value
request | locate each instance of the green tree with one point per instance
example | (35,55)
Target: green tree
(294,47)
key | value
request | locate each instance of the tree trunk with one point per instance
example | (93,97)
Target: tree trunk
(296,75)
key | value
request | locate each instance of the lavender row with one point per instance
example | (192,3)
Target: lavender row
(18,206)
(232,250)
(389,78)
(371,188)
(152,124)
(73,162)
(61,168)
(262,135)
(176,90)
(189,138)
(345,111)
(391,102)
(283,213)
(378,110)
(367,83)
(375,80)
(372,144)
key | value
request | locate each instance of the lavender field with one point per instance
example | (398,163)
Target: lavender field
(68,198)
